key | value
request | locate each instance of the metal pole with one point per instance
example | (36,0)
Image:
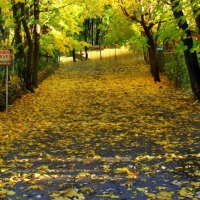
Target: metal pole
(100,48)
(115,52)
(6,88)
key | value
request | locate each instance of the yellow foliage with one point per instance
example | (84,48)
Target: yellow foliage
(5,193)
(196,184)
(35,187)
(164,195)
(130,174)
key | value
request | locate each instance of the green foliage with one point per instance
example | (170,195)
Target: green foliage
(196,46)
(138,43)
(176,70)
(119,28)
(169,32)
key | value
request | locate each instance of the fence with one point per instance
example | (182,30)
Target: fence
(171,64)
(110,53)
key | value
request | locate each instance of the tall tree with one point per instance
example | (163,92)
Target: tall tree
(36,36)
(86,35)
(142,14)
(30,50)
(27,48)
(190,55)
(18,41)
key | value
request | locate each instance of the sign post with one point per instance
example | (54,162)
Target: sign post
(6,60)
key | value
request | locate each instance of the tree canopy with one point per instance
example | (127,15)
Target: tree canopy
(42,29)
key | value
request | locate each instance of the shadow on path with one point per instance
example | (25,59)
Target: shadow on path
(101,131)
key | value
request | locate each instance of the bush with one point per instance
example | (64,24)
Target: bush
(176,70)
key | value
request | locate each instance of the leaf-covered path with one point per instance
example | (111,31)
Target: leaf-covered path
(101,131)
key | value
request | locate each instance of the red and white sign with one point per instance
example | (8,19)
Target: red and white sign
(6,57)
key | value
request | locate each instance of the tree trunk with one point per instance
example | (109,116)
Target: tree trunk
(190,56)
(86,53)
(100,49)
(146,56)
(19,56)
(154,65)
(145,52)
(86,38)
(153,59)
(194,71)
(92,31)
(74,54)
(29,63)
(198,22)
(36,35)
(98,31)
(151,41)
(81,55)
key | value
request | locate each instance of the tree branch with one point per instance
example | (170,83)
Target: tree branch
(50,10)
(126,13)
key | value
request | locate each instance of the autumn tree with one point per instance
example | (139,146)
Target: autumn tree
(27,45)
(116,27)
(146,14)
(5,25)
(46,29)
(41,29)
(18,41)
(189,54)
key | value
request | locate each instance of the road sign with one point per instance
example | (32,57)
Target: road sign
(6,57)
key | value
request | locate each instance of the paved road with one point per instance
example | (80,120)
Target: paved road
(101,130)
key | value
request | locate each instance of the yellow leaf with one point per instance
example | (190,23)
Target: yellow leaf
(106,168)
(151,195)
(1,161)
(10,193)
(3,170)
(97,157)
(107,196)
(197,173)
(17,1)
(183,192)
(126,170)
(33,182)
(196,184)
(37,175)
(71,192)
(144,190)
(35,187)
(114,196)
(60,198)
(164,195)
(3,193)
